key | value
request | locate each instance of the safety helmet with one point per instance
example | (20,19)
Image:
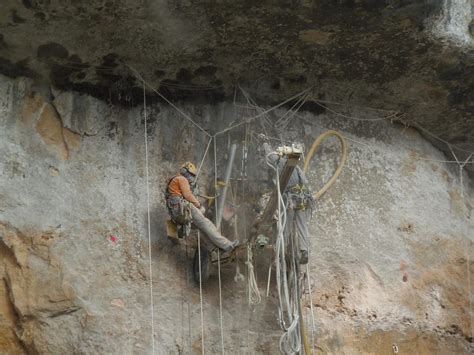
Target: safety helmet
(190,167)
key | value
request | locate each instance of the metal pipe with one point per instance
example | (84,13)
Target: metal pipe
(222,195)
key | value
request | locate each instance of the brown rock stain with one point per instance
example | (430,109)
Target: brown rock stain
(59,139)
(71,138)
(50,129)
(409,166)
(34,287)
(315,36)
(444,275)
(456,201)
(363,341)
(30,109)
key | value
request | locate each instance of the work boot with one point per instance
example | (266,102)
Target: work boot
(303,257)
(232,246)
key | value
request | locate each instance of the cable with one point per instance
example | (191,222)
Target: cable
(202,161)
(356,118)
(338,171)
(254,292)
(149,225)
(218,254)
(468,256)
(290,341)
(220,300)
(249,119)
(200,292)
(138,76)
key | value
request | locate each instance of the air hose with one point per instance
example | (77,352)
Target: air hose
(317,195)
(312,150)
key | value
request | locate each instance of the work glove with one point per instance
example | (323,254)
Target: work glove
(202,209)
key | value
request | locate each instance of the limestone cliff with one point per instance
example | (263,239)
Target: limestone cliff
(391,241)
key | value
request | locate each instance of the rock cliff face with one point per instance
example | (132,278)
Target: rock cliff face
(391,241)
(413,56)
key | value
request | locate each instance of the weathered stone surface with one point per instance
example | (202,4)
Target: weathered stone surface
(390,247)
(413,56)
(50,128)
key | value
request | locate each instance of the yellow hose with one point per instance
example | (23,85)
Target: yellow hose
(311,152)
(306,347)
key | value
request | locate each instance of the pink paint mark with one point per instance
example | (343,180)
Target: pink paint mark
(113,239)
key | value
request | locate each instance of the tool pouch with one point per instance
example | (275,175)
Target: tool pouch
(179,210)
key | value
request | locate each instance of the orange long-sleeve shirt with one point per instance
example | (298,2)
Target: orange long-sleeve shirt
(179,186)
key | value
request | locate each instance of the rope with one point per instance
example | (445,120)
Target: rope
(254,293)
(218,253)
(249,119)
(468,256)
(288,308)
(138,76)
(202,160)
(152,310)
(282,123)
(220,300)
(392,115)
(200,292)
(187,302)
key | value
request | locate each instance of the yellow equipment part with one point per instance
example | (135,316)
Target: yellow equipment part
(171,229)
(311,152)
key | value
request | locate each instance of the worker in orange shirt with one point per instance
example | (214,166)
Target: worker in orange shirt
(184,208)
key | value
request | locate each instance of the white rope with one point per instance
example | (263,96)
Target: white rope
(221,317)
(137,74)
(269,278)
(392,115)
(220,300)
(202,160)
(238,276)
(468,241)
(283,121)
(254,292)
(440,139)
(290,341)
(200,292)
(249,119)
(152,308)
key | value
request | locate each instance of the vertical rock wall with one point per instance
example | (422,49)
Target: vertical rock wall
(391,245)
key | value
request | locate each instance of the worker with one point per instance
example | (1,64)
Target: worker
(299,202)
(184,208)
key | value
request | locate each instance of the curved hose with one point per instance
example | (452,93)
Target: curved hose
(312,150)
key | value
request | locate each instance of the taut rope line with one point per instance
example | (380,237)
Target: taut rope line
(152,308)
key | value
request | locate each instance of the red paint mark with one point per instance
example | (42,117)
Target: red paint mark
(113,239)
